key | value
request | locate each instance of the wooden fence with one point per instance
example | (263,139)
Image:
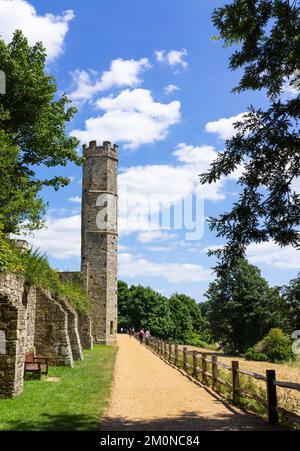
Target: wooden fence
(198,369)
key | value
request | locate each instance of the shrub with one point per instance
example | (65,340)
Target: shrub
(276,346)
(35,269)
(9,260)
(196,340)
(251,354)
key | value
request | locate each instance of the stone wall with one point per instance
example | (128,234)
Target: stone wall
(51,337)
(85,331)
(31,319)
(76,347)
(13,331)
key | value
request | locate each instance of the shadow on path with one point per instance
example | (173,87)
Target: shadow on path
(188,422)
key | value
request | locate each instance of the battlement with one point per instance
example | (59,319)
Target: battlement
(92,150)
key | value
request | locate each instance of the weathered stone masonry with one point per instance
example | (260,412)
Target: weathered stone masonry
(31,319)
(99,237)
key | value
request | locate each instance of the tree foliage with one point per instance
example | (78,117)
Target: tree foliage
(32,133)
(177,318)
(242,307)
(291,296)
(266,39)
(274,347)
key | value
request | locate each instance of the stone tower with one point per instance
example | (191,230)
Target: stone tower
(99,235)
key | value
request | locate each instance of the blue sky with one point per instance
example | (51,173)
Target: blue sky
(155,82)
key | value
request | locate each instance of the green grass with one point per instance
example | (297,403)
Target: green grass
(74,403)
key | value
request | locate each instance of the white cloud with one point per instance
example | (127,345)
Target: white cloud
(132,117)
(75,199)
(141,189)
(120,74)
(224,126)
(61,238)
(144,191)
(148,237)
(134,267)
(292,85)
(48,28)
(295,186)
(172,58)
(269,253)
(170,89)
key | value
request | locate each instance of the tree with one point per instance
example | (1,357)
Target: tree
(123,297)
(182,320)
(291,296)
(19,199)
(242,307)
(33,133)
(265,34)
(149,309)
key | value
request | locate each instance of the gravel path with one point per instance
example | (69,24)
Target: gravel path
(150,395)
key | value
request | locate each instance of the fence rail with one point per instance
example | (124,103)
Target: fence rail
(199,370)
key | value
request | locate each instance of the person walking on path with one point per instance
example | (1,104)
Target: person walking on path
(141,335)
(147,336)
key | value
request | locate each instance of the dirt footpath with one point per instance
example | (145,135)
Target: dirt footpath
(150,395)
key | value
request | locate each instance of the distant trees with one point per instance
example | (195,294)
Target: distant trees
(177,318)
(33,122)
(242,308)
(291,296)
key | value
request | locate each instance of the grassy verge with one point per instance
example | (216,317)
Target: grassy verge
(76,402)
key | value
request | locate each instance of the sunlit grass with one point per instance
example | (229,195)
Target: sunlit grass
(75,402)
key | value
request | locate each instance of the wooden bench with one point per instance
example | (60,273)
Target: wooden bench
(35,364)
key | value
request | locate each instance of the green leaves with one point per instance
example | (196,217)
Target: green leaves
(32,133)
(176,318)
(267,144)
(242,307)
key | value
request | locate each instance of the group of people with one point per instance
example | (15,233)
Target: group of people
(144,335)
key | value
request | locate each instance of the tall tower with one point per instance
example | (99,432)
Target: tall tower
(99,234)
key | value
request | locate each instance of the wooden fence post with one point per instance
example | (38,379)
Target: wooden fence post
(214,372)
(184,358)
(176,355)
(170,353)
(235,381)
(165,350)
(204,368)
(272,397)
(195,364)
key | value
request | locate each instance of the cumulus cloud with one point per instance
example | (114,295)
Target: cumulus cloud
(170,89)
(146,191)
(173,58)
(133,267)
(155,235)
(61,238)
(121,73)
(291,86)
(75,199)
(48,28)
(132,117)
(224,126)
(269,253)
